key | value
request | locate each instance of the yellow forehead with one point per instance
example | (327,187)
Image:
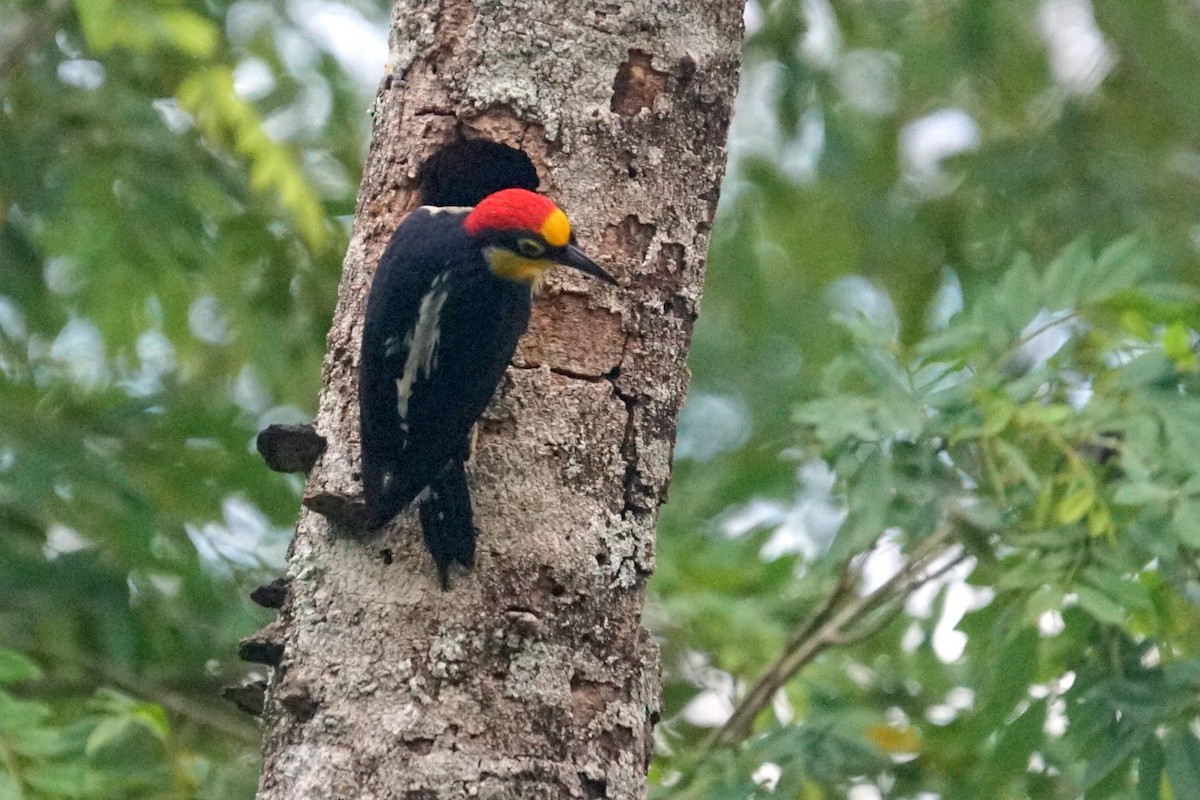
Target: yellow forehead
(556,230)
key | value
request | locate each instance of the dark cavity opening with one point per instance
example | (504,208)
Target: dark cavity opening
(464,172)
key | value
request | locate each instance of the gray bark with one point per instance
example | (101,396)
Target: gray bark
(532,677)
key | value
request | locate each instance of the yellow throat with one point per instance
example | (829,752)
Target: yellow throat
(504,263)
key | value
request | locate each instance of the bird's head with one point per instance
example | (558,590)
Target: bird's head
(523,234)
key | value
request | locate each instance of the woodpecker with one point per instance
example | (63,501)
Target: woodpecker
(450,299)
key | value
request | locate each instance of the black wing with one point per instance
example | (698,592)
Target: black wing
(402,280)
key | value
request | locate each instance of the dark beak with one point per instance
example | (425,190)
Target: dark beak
(573,257)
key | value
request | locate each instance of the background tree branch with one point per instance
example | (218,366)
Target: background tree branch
(842,618)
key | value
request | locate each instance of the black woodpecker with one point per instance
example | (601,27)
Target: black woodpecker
(450,299)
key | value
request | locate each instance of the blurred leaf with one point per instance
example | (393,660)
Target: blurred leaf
(189,32)
(1017,741)
(1186,522)
(1114,754)
(1074,505)
(1067,276)
(222,116)
(1013,671)
(1150,771)
(16,668)
(1099,606)
(1182,764)
(1118,267)
(1142,494)
(109,732)
(153,718)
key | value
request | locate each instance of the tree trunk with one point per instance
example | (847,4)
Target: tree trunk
(532,677)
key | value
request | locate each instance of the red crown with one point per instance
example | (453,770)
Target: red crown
(510,209)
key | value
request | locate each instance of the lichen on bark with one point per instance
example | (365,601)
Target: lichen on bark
(532,677)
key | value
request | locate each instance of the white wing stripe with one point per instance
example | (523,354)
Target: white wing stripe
(422,342)
(433,211)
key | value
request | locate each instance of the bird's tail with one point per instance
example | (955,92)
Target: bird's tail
(447,522)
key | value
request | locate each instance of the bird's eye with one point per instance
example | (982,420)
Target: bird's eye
(530,248)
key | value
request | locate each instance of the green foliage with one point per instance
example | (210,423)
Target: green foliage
(170,244)
(210,96)
(1073,507)
(112,746)
(108,25)
(985,377)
